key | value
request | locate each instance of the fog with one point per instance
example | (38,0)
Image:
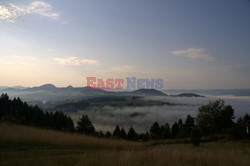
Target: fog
(141,118)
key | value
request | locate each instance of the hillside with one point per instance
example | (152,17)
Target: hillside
(21,145)
(149,92)
(49,97)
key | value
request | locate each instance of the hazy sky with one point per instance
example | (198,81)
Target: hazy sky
(188,43)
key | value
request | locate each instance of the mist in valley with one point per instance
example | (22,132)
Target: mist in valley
(141,118)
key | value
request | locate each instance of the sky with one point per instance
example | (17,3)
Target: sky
(194,44)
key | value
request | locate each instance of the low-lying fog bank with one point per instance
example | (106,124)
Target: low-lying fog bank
(141,118)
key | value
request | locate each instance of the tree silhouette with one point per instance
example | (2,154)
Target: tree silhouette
(108,134)
(116,132)
(241,128)
(20,112)
(215,117)
(247,122)
(143,136)
(123,134)
(175,130)
(131,134)
(100,134)
(165,131)
(85,126)
(188,126)
(155,130)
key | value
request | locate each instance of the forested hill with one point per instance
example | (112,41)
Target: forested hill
(20,112)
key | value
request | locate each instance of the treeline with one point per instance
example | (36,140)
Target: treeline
(20,112)
(213,120)
(177,130)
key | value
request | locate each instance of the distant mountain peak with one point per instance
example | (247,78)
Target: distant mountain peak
(153,92)
(45,87)
(69,87)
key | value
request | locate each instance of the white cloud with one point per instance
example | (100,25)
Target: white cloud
(74,61)
(4,13)
(11,12)
(194,53)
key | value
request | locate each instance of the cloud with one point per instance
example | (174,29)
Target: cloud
(194,53)
(74,61)
(12,12)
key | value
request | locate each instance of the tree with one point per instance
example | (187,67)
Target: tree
(131,134)
(116,132)
(225,120)
(195,136)
(180,123)
(143,136)
(165,131)
(188,126)
(108,134)
(241,128)
(123,134)
(247,122)
(85,126)
(100,133)
(175,130)
(215,117)
(247,118)
(20,112)
(155,130)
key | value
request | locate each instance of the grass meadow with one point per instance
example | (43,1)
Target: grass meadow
(22,145)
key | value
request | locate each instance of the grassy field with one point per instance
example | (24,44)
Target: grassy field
(20,145)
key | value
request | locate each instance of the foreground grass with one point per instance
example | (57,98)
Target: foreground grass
(20,145)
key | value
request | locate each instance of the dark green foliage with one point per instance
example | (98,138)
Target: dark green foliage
(247,122)
(247,119)
(74,106)
(215,117)
(123,134)
(175,130)
(155,130)
(165,132)
(20,112)
(241,128)
(85,126)
(180,123)
(116,132)
(160,132)
(108,134)
(188,126)
(143,137)
(131,134)
(100,134)
(195,136)
(226,116)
